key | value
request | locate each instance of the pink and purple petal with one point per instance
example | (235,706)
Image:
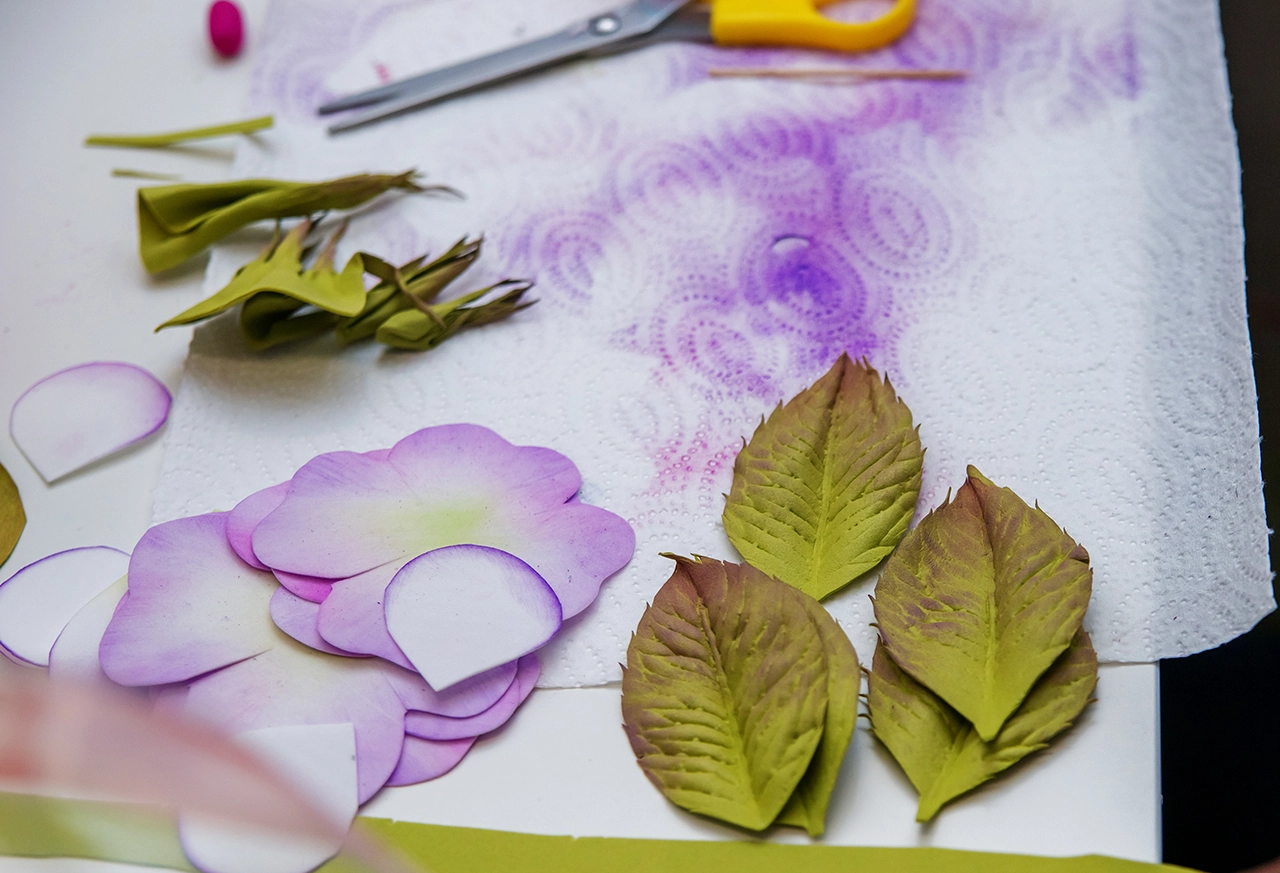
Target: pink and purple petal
(461,610)
(307,587)
(422,760)
(470,697)
(352,617)
(246,516)
(192,606)
(345,514)
(295,685)
(297,618)
(429,726)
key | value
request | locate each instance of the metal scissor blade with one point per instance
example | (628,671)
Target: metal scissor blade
(625,23)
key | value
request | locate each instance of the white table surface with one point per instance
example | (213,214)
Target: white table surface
(74,291)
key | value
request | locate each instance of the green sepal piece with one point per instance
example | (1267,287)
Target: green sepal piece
(807,807)
(269,319)
(724,695)
(162,140)
(401,286)
(176,222)
(279,269)
(981,598)
(827,486)
(429,325)
(13,518)
(941,752)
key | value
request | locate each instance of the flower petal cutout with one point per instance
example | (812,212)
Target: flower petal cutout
(37,602)
(422,760)
(461,610)
(429,726)
(82,414)
(75,654)
(320,759)
(193,606)
(297,618)
(247,515)
(352,616)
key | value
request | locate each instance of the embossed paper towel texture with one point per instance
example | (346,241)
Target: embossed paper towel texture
(1045,257)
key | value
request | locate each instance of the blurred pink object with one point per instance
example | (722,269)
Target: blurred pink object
(226,28)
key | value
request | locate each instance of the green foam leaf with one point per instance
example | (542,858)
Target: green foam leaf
(176,222)
(724,695)
(981,598)
(428,325)
(279,271)
(827,486)
(13,518)
(942,753)
(807,807)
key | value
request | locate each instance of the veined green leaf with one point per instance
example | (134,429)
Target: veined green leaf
(807,807)
(827,486)
(160,140)
(981,598)
(941,752)
(176,222)
(13,518)
(724,695)
(279,269)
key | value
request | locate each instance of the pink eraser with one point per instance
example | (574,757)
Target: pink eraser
(226,28)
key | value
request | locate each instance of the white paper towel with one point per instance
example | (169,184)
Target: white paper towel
(1046,258)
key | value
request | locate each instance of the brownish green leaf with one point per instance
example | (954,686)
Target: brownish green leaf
(981,598)
(724,695)
(941,752)
(827,486)
(12,516)
(176,222)
(807,807)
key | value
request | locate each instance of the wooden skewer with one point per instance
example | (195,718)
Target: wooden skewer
(831,73)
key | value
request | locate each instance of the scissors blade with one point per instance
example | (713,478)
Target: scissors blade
(625,23)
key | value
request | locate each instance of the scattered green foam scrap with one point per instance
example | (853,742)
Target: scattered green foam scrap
(827,486)
(724,695)
(13,518)
(42,827)
(161,140)
(807,807)
(941,752)
(981,598)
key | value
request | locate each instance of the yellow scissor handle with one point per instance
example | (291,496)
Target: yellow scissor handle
(799,23)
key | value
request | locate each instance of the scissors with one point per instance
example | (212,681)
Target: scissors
(632,26)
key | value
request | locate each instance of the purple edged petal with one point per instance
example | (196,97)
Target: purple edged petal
(352,618)
(295,685)
(297,618)
(192,606)
(429,726)
(247,515)
(82,414)
(469,697)
(75,653)
(37,602)
(461,610)
(422,760)
(306,587)
(345,514)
